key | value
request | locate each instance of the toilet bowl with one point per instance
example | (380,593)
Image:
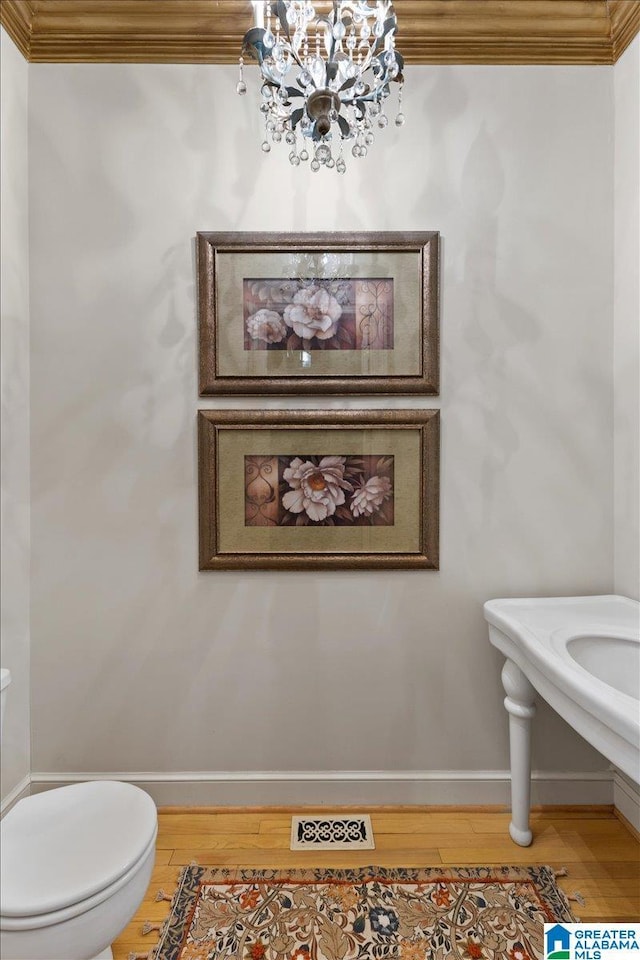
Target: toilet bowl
(75,864)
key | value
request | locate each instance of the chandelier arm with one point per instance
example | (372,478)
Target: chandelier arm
(334,39)
(377,45)
(295,56)
(332,53)
(281,13)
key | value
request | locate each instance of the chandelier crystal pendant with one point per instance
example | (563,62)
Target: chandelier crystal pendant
(326,72)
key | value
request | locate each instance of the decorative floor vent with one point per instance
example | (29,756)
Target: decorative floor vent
(332,833)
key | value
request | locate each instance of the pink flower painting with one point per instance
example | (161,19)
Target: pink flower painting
(313,490)
(318,314)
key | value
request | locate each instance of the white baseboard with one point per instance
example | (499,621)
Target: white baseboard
(626,797)
(21,789)
(343,787)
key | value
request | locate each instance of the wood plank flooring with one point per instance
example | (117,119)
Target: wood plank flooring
(601,856)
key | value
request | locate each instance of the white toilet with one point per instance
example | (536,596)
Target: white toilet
(75,865)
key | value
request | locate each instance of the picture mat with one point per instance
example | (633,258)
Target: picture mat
(402,443)
(234,360)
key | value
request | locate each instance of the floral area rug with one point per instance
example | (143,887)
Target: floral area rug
(479,913)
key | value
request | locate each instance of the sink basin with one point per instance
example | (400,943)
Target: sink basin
(613,660)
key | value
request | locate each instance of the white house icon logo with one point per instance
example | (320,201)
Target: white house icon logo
(558,941)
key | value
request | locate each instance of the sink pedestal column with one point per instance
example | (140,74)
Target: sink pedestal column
(520,704)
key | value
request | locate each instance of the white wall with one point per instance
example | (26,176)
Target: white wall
(626,350)
(14,450)
(140,663)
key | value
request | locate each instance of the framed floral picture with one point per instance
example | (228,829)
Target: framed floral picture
(318,313)
(321,489)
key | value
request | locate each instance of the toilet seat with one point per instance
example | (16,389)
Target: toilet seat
(69,849)
(25,924)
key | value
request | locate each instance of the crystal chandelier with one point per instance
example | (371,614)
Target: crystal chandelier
(326,71)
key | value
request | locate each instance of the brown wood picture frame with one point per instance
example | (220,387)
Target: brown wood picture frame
(318,313)
(318,489)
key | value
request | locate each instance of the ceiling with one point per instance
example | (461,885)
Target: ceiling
(430,31)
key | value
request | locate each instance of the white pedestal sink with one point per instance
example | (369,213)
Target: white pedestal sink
(582,655)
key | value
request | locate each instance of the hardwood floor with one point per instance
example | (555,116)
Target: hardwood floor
(601,856)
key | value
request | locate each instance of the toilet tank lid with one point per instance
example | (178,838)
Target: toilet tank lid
(61,847)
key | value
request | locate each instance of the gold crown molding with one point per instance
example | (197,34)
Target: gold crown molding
(16,16)
(625,24)
(431,31)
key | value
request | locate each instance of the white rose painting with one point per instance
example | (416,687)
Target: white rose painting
(313,490)
(318,314)
(266,326)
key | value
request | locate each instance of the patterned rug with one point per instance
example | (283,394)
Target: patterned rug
(479,913)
